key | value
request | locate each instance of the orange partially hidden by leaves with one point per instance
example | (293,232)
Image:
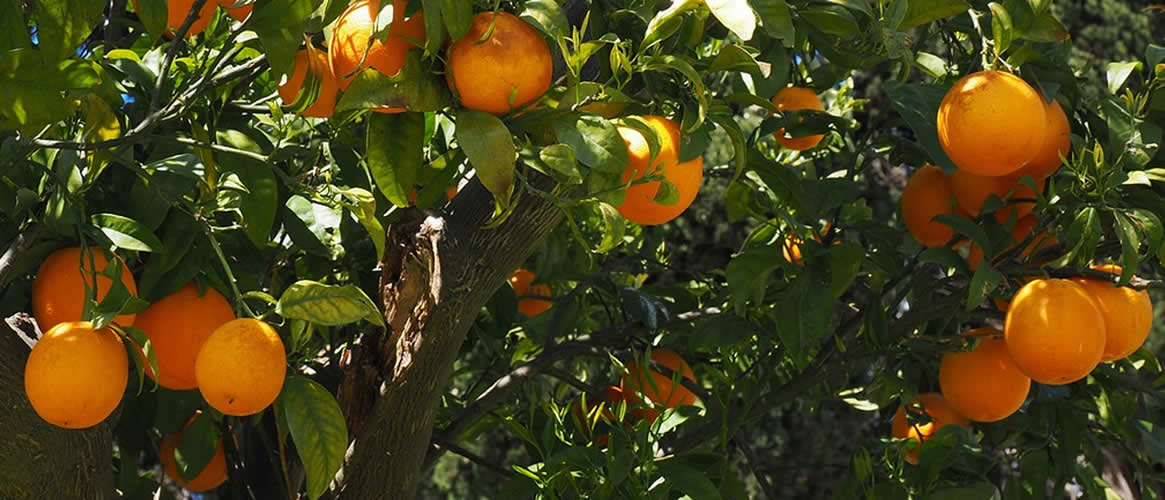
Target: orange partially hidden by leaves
(939,412)
(640,205)
(523,282)
(211,476)
(642,380)
(971,191)
(1023,227)
(611,397)
(239,13)
(983,385)
(796,99)
(1055,331)
(58,291)
(927,194)
(176,13)
(1057,141)
(314,60)
(791,248)
(500,65)
(1128,314)
(177,326)
(991,123)
(241,367)
(75,375)
(352,32)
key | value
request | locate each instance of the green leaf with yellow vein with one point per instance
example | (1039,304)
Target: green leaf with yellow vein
(317,427)
(328,305)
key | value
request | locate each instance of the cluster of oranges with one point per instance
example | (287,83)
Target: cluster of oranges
(997,129)
(640,381)
(76,375)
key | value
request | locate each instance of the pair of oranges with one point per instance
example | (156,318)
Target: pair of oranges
(76,375)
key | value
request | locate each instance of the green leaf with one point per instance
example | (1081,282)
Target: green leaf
(669,62)
(458,16)
(1154,54)
(666,22)
(1082,237)
(739,143)
(689,481)
(261,201)
(614,226)
(62,25)
(845,261)
(776,20)
(933,65)
(279,25)
(413,88)
(127,233)
(561,161)
(977,491)
(919,12)
(1118,72)
(33,94)
(309,224)
(803,311)
(832,19)
(918,105)
(985,280)
(1046,28)
(735,58)
(317,428)
(434,25)
(154,14)
(395,151)
(363,206)
(327,305)
(199,443)
(1001,28)
(547,15)
(749,271)
(490,149)
(595,141)
(13,30)
(1126,231)
(667,194)
(736,15)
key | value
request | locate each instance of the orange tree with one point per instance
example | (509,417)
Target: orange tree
(647,164)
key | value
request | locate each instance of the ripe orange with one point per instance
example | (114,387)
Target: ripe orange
(941,415)
(1057,141)
(796,99)
(971,191)
(178,325)
(352,32)
(58,291)
(991,123)
(513,63)
(1054,331)
(926,195)
(317,61)
(1128,314)
(214,474)
(241,367)
(983,385)
(239,13)
(640,206)
(75,375)
(177,10)
(659,387)
(523,282)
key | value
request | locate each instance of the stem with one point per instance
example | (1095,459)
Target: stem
(179,37)
(283,465)
(986,42)
(240,305)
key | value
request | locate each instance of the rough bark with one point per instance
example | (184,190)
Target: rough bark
(38,460)
(438,272)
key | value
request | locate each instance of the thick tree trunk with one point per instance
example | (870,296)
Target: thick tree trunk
(438,273)
(38,460)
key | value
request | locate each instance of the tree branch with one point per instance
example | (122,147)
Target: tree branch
(179,39)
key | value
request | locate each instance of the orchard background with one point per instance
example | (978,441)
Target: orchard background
(153,131)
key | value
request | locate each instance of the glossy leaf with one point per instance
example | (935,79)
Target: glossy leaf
(327,305)
(395,153)
(317,427)
(490,149)
(127,233)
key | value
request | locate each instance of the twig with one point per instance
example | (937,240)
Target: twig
(23,242)
(766,482)
(283,465)
(570,380)
(216,147)
(472,457)
(179,39)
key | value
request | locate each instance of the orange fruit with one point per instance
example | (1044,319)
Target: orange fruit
(983,385)
(971,191)
(657,386)
(177,10)
(796,99)
(1128,314)
(58,291)
(75,375)
(522,280)
(513,63)
(941,415)
(991,123)
(1054,331)
(927,194)
(352,32)
(211,476)
(639,206)
(1057,141)
(241,367)
(317,61)
(239,13)
(177,326)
